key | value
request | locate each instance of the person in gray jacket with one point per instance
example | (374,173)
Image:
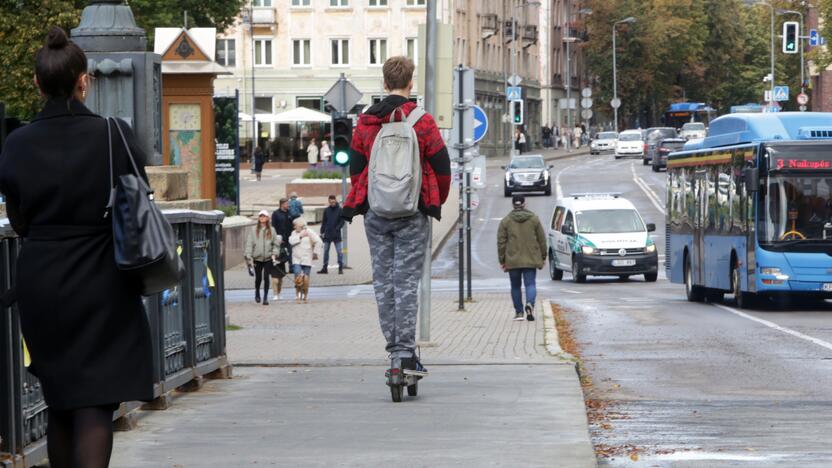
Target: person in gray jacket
(262,249)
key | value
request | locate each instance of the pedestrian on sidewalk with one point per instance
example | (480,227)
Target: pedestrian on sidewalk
(555,136)
(259,161)
(326,153)
(82,318)
(519,141)
(398,245)
(262,249)
(521,250)
(577,133)
(312,154)
(331,234)
(282,224)
(305,246)
(295,206)
(546,134)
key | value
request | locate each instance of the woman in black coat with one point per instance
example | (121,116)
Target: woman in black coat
(82,318)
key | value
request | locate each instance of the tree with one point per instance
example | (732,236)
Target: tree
(24,23)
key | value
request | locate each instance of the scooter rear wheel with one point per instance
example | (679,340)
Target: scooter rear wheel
(396,393)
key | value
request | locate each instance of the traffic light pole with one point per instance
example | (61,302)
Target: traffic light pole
(430,107)
(345,232)
(460,109)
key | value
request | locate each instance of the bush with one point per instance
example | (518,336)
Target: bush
(322,174)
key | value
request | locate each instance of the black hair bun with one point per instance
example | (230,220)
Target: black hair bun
(56,39)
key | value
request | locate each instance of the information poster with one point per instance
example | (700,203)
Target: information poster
(227,164)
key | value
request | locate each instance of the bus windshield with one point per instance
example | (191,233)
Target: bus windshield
(797,210)
(609,221)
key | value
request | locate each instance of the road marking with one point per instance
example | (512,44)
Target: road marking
(353,292)
(558,189)
(571,291)
(772,325)
(651,195)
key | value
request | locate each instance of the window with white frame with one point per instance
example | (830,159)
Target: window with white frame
(262,52)
(227,52)
(412,49)
(261,3)
(339,3)
(301,3)
(340,51)
(378,51)
(301,52)
(378,3)
(263,105)
(415,2)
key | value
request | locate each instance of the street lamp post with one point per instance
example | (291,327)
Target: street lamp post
(616,102)
(800,39)
(568,40)
(514,51)
(771,7)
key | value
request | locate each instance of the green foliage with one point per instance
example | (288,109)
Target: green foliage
(322,174)
(24,23)
(712,51)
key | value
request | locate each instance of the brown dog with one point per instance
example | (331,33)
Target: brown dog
(302,288)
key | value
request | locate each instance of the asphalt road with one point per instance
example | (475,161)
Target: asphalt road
(701,385)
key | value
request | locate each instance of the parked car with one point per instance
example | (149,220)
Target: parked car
(527,173)
(600,234)
(693,131)
(670,145)
(654,136)
(629,144)
(604,141)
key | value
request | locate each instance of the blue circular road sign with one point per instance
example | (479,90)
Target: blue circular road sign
(480,124)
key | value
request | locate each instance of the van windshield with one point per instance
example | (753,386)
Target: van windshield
(609,221)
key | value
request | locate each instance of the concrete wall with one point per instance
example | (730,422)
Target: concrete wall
(234,230)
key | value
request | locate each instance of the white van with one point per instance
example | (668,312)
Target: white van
(600,235)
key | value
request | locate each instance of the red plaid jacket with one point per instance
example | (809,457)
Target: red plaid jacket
(436,164)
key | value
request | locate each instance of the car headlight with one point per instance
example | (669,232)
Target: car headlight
(508,176)
(770,271)
(587,250)
(650,248)
(545,175)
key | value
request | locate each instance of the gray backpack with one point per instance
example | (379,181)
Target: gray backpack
(394,182)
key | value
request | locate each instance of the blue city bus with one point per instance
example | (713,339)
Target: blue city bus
(681,113)
(749,208)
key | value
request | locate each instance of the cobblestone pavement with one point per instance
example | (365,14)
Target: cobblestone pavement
(346,331)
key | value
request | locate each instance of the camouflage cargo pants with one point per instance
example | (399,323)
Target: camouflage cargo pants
(397,249)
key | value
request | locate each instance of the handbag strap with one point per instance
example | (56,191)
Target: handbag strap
(133,164)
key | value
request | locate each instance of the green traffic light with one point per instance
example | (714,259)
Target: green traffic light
(342,158)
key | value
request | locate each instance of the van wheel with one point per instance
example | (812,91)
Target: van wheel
(576,268)
(651,277)
(506,192)
(554,272)
(694,293)
(655,168)
(742,300)
(643,161)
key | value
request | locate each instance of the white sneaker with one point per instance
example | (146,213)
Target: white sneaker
(275,297)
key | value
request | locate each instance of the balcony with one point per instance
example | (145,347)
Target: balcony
(264,16)
(489,25)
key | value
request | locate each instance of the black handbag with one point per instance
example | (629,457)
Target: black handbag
(144,241)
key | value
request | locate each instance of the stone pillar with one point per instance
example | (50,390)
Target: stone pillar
(128,78)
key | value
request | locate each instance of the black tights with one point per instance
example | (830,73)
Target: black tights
(261,273)
(80,438)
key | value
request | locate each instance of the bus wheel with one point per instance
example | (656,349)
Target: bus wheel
(694,293)
(742,300)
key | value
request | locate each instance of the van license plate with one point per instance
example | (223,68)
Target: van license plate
(827,286)
(624,263)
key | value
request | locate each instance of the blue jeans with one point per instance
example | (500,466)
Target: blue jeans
(338,250)
(526,276)
(297,269)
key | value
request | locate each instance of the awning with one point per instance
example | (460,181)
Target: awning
(300,114)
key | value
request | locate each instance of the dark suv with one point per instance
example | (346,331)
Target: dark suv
(670,145)
(653,137)
(527,173)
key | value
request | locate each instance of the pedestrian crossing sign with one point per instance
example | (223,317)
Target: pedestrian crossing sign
(781,93)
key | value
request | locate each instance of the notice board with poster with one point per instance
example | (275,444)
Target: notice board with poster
(227,142)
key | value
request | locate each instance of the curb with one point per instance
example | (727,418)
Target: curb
(550,337)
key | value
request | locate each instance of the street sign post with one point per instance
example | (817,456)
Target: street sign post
(781,93)
(813,38)
(586,92)
(586,103)
(480,124)
(515,80)
(514,93)
(343,95)
(586,114)
(615,103)
(803,99)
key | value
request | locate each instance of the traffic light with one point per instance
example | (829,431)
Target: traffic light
(791,38)
(517,112)
(341,140)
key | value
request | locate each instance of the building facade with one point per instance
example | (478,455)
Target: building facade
(297,49)
(563,71)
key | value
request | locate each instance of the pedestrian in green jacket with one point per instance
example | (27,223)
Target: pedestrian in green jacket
(521,249)
(262,248)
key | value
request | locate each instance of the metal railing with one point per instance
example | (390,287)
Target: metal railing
(187,324)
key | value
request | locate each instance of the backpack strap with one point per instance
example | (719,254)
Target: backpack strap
(415,115)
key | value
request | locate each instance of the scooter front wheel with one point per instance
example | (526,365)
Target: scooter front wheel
(396,393)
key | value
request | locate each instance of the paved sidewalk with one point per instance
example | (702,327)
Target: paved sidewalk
(309,392)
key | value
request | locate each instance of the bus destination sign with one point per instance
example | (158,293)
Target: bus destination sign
(802,164)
